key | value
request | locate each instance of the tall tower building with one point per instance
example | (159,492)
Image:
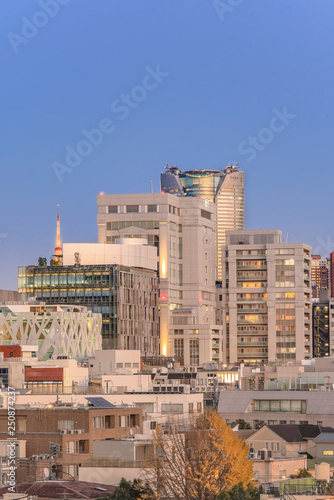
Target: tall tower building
(226,188)
(183,230)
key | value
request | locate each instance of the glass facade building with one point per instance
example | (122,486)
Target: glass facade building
(126,297)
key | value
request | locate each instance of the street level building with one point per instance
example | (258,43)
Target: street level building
(266,298)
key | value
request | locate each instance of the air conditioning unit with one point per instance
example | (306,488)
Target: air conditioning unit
(71,431)
(203,388)
(198,389)
(34,457)
(63,431)
(252,455)
(43,457)
(209,389)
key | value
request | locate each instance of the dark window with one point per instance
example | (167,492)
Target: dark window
(151,208)
(112,209)
(132,209)
(206,214)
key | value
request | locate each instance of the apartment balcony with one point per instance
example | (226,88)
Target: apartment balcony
(253,267)
(261,277)
(250,322)
(252,300)
(252,332)
(263,310)
(255,344)
(255,354)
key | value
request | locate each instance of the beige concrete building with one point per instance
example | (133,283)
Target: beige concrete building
(183,230)
(277,407)
(126,252)
(266,298)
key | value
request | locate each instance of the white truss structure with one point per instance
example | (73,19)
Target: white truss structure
(57,330)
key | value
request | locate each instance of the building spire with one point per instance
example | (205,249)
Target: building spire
(58,250)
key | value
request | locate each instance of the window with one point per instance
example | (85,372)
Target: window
(65,424)
(113,209)
(191,407)
(172,408)
(124,421)
(328,452)
(206,214)
(72,447)
(98,422)
(151,208)
(132,209)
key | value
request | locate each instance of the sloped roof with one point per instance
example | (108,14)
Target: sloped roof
(57,489)
(325,437)
(294,433)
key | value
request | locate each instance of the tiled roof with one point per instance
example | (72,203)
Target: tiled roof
(58,489)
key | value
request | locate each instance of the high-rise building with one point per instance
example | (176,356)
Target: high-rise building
(266,298)
(320,324)
(226,188)
(183,230)
(320,275)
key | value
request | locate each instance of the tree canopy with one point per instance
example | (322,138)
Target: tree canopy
(197,460)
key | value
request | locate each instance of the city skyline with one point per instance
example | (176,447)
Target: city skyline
(251,86)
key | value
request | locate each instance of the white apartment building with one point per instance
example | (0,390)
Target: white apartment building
(183,230)
(266,298)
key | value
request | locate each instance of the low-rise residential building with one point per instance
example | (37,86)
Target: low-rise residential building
(268,470)
(73,429)
(311,375)
(277,407)
(54,376)
(324,445)
(286,440)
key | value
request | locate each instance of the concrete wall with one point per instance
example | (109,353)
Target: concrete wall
(130,255)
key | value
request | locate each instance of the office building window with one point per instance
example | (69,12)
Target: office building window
(112,209)
(131,209)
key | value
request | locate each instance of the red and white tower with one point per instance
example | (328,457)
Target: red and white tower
(58,260)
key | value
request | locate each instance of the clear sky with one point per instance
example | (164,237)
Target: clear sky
(203,84)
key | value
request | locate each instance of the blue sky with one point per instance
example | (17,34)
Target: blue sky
(229,68)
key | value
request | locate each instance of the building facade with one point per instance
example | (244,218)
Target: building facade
(57,330)
(226,188)
(126,297)
(183,230)
(266,298)
(320,275)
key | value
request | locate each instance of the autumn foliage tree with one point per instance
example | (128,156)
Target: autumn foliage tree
(196,459)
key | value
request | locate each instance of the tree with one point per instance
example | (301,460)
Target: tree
(243,424)
(130,490)
(301,473)
(196,460)
(238,492)
(42,261)
(259,424)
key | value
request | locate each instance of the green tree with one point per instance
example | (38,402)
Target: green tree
(259,424)
(197,459)
(42,261)
(301,473)
(130,490)
(239,492)
(243,424)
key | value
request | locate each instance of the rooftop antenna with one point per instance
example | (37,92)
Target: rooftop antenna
(152,187)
